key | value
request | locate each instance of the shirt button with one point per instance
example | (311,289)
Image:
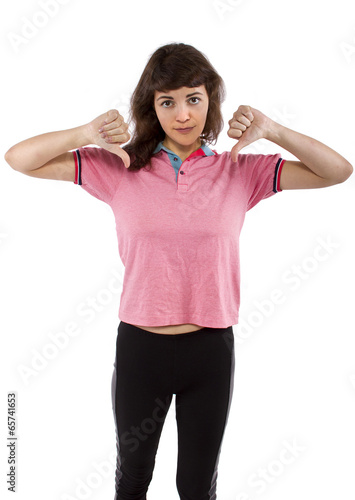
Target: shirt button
(182,173)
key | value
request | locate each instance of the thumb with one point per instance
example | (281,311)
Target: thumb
(237,147)
(122,154)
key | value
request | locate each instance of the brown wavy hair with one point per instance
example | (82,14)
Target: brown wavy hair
(171,67)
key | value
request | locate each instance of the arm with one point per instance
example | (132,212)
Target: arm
(48,155)
(319,165)
(35,152)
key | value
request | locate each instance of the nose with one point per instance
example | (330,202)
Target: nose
(182,114)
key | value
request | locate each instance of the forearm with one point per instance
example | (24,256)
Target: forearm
(322,160)
(34,152)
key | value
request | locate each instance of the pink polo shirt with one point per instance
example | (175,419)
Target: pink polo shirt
(178,228)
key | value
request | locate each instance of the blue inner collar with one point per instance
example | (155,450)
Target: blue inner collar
(175,159)
(204,147)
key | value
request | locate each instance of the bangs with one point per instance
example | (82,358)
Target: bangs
(172,77)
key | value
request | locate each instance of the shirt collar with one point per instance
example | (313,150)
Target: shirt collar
(204,150)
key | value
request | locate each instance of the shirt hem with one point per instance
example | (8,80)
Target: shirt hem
(173,320)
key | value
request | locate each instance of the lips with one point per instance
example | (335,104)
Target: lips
(184,130)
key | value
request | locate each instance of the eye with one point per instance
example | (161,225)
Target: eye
(164,102)
(198,100)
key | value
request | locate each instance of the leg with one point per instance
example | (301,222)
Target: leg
(141,397)
(204,392)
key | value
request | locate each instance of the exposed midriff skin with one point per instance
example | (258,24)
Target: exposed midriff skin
(171,329)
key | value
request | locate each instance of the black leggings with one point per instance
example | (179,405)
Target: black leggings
(149,368)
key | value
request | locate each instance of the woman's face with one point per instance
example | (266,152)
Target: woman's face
(184,108)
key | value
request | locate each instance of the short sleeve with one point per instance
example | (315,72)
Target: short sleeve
(261,176)
(98,171)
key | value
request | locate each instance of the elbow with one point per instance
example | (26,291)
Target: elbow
(347,171)
(8,158)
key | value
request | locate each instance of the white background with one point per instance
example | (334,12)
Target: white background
(295,369)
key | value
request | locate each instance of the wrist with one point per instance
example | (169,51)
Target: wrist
(84,135)
(273,131)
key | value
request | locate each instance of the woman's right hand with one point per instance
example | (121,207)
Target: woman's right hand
(109,131)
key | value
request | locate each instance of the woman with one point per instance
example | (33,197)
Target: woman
(179,208)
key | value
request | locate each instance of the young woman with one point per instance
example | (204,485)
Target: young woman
(179,208)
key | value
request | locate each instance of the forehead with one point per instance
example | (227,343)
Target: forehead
(182,91)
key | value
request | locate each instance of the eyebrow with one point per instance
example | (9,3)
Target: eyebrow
(170,97)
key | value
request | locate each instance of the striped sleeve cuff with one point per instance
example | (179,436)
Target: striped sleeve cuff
(77,160)
(277,175)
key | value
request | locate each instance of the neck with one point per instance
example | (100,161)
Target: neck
(182,151)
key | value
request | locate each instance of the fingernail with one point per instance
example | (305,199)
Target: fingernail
(100,129)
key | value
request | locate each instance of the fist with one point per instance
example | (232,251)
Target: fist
(247,125)
(109,131)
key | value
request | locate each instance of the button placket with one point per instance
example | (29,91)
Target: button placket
(183,184)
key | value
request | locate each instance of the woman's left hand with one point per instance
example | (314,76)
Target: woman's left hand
(247,125)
